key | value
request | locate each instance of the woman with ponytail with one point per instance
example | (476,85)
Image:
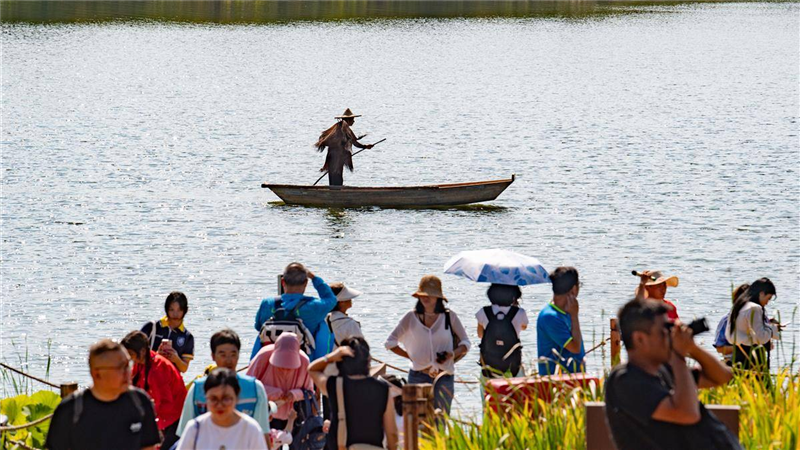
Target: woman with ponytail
(749,330)
(162,382)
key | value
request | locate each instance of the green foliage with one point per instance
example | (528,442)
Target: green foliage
(524,425)
(769,418)
(24,409)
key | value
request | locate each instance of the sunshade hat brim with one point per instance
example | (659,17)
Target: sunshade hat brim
(672,281)
(347,294)
(430,286)
(347,115)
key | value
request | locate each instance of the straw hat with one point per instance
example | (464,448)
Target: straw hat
(286,354)
(347,115)
(672,281)
(347,294)
(431,286)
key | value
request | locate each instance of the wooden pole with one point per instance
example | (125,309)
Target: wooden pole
(417,400)
(616,337)
(68,388)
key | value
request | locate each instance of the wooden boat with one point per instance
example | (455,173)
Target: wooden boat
(391,197)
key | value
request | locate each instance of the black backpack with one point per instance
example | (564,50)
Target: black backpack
(283,321)
(309,435)
(501,351)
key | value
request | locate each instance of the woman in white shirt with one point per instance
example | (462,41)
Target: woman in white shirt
(341,325)
(749,330)
(222,427)
(434,340)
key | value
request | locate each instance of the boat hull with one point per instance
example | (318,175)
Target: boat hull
(391,197)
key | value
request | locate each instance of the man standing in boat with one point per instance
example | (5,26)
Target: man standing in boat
(339,139)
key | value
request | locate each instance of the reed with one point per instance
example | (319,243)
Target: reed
(769,418)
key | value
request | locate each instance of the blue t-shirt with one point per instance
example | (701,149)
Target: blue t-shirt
(313,314)
(553,332)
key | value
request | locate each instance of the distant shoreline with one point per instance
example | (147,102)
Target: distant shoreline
(283,11)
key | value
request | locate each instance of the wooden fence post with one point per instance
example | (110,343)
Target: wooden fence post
(68,388)
(616,337)
(417,401)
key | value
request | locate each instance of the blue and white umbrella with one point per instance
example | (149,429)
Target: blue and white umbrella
(497,266)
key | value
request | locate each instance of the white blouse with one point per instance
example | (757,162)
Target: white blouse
(750,327)
(343,326)
(422,343)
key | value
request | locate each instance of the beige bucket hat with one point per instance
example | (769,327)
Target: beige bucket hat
(672,281)
(347,293)
(431,286)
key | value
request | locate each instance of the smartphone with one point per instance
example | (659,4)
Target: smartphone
(280,284)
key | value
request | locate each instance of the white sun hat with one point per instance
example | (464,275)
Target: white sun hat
(347,294)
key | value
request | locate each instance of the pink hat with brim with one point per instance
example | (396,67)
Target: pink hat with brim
(287,352)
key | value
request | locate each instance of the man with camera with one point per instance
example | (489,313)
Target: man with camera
(651,401)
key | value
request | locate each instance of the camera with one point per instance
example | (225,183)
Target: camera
(441,357)
(697,326)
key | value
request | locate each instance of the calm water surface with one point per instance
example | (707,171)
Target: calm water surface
(133,153)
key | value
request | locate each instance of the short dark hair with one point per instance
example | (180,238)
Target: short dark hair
(563,279)
(180,299)
(295,274)
(225,336)
(638,315)
(358,364)
(222,377)
(137,342)
(102,347)
(336,288)
(503,294)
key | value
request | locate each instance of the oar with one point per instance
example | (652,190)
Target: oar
(354,154)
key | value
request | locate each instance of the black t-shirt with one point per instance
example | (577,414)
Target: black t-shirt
(182,339)
(632,395)
(128,422)
(365,401)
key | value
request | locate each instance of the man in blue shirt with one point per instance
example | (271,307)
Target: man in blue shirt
(558,330)
(313,312)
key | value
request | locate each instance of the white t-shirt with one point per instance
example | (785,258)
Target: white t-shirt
(245,434)
(518,321)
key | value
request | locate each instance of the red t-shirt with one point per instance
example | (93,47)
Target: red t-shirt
(165,386)
(672,314)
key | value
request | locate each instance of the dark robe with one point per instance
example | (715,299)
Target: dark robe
(339,140)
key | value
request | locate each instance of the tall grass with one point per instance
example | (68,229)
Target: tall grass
(524,425)
(769,418)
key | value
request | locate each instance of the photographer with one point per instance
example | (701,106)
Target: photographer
(651,401)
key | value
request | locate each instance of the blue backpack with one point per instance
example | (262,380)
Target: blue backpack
(310,435)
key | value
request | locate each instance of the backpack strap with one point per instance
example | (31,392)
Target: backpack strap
(341,431)
(300,304)
(489,314)
(330,327)
(511,313)
(76,412)
(449,325)
(152,335)
(196,433)
(137,403)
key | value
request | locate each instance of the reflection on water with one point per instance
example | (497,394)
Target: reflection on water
(284,11)
(338,222)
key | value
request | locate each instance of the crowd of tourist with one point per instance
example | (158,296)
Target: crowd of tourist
(309,383)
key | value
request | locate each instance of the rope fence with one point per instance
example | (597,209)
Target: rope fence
(26,425)
(5,366)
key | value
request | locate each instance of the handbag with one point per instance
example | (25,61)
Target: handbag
(342,429)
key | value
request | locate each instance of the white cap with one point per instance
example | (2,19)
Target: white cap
(347,294)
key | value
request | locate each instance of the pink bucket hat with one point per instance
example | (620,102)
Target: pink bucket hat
(286,354)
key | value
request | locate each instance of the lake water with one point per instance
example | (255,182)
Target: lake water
(642,136)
